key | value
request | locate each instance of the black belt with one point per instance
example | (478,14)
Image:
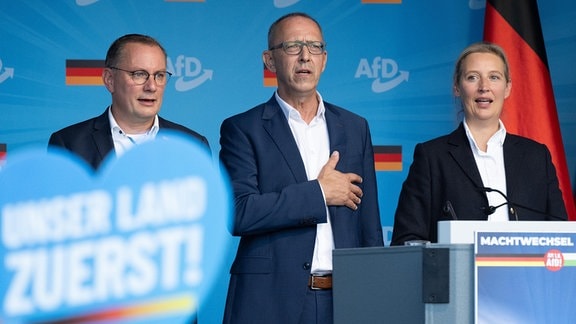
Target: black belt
(320,281)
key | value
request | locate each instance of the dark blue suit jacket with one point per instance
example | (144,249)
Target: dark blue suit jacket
(444,170)
(92,138)
(277,209)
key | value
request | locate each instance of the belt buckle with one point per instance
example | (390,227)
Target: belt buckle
(313,280)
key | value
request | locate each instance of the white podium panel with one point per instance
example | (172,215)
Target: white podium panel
(462,232)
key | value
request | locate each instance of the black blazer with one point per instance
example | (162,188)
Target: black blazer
(444,170)
(92,138)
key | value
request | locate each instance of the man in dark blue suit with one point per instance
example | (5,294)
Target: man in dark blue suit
(302,172)
(135,74)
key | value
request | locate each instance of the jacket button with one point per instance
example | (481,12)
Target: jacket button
(307,266)
(309,221)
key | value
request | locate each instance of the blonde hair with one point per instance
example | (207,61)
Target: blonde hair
(481,47)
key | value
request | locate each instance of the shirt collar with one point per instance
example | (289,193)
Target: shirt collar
(498,137)
(116,128)
(290,111)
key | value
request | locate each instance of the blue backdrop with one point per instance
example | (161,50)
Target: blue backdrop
(391,63)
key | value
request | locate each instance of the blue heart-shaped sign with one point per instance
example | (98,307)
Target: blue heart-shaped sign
(138,241)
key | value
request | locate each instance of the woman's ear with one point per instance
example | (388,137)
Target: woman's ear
(456,91)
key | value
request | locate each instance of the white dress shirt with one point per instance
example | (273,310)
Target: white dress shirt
(491,167)
(123,141)
(314,146)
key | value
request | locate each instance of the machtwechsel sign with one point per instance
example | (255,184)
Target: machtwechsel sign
(525,277)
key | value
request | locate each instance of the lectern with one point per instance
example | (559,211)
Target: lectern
(431,283)
(404,285)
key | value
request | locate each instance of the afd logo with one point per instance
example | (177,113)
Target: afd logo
(477,4)
(285,3)
(188,72)
(83,3)
(5,73)
(385,73)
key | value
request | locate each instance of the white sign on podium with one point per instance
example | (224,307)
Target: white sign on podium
(463,232)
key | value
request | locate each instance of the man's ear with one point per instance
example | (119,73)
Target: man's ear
(268,60)
(108,79)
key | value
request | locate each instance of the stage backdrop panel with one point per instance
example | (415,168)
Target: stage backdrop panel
(389,61)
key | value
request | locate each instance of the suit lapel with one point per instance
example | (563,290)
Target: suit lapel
(460,151)
(336,130)
(512,159)
(102,136)
(276,125)
(340,217)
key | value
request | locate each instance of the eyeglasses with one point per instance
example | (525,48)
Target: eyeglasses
(140,76)
(295,47)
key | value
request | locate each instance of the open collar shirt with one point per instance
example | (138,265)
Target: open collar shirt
(491,167)
(314,146)
(123,141)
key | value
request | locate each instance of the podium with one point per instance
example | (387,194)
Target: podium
(404,284)
(431,283)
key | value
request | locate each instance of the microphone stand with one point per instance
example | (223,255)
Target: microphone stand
(491,209)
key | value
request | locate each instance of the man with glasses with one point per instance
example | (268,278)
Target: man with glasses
(304,183)
(136,77)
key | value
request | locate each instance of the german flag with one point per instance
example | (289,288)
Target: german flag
(84,72)
(388,157)
(530,110)
(2,153)
(269,78)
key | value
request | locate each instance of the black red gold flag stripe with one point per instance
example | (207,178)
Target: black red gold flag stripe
(2,153)
(530,110)
(84,72)
(388,157)
(269,78)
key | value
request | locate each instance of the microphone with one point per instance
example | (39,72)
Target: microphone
(449,210)
(491,209)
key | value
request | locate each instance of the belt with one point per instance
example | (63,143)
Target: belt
(318,282)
